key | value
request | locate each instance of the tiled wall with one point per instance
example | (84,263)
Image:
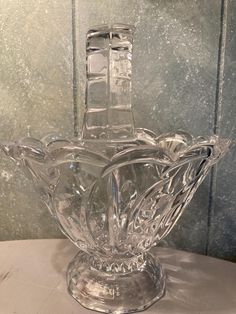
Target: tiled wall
(184,75)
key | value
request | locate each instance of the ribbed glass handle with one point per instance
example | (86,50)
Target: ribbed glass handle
(108,112)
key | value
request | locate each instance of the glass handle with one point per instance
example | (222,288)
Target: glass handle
(108,112)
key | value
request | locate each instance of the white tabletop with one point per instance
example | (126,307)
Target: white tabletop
(32,281)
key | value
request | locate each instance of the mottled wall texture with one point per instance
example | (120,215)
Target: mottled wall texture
(184,76)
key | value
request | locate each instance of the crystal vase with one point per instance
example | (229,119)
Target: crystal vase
(116,191)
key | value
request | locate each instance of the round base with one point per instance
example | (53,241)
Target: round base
(121,286)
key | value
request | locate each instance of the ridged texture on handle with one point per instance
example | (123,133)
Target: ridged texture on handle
(108,88)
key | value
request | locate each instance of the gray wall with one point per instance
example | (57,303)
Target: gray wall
(184,75)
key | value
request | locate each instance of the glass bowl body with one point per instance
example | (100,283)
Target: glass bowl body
(117,198)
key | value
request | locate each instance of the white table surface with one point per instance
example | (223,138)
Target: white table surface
(32,281)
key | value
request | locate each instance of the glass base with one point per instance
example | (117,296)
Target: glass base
(117,285)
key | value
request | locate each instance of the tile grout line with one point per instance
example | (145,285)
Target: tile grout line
(74,69)
(217,111)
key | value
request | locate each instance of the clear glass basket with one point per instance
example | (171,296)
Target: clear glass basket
(118,190)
